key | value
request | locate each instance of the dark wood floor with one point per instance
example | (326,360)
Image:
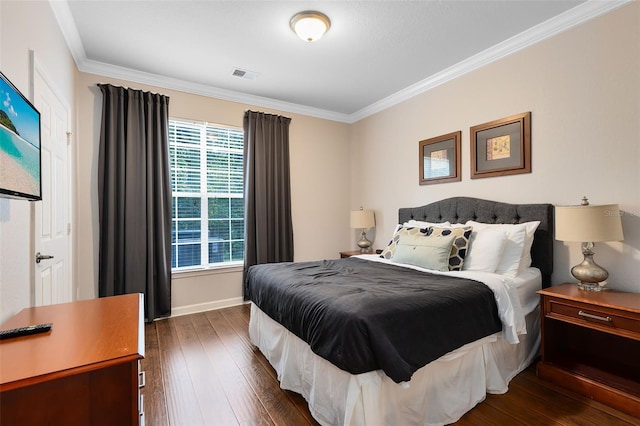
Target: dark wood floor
(201,369)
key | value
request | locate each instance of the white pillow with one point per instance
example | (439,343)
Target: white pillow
(457,225)
(485,250)
(509,264)
(425,252)
(525,260)
(423,224)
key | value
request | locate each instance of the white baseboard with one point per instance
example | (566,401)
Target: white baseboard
(208,306)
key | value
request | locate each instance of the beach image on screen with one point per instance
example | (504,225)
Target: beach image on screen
(19,143)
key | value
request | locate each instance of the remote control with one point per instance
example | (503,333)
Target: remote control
(25,331)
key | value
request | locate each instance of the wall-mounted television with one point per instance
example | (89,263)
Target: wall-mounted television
(19,144)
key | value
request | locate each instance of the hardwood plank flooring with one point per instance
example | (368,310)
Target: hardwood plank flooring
(202,369)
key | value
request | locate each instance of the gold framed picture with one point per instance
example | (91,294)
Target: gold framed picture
(439,159)
(501,147)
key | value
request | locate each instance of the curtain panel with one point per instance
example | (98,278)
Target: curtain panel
(267,191)
(134,190)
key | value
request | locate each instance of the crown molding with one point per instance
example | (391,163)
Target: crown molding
(569,19)
(128,74)
(560,23)
(72,36)
(69,30)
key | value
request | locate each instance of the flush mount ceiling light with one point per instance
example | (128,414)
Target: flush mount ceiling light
(310,25)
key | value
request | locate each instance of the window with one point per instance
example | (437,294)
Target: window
(207,194)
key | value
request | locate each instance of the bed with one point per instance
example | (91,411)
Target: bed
(350,363)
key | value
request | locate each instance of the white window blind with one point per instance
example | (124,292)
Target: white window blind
(207,194)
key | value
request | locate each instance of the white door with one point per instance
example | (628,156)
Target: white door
(52,228)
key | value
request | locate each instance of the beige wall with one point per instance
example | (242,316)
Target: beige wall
(26,26)
(583,89)
(319,152)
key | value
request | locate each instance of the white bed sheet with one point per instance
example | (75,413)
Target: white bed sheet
(439,393)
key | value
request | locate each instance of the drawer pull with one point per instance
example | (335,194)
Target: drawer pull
(595,317)
(142,376)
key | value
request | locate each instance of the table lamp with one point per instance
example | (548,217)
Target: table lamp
(588,224)
(363,219)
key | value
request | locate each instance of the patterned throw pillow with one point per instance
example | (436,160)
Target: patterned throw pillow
(387,253)
(460,243)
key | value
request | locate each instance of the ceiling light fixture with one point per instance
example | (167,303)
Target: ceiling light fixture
(310,25)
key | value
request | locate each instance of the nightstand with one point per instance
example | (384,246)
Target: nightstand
(591,344)
(345,254)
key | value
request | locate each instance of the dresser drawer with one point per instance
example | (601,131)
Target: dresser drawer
(599,317)
(141,385)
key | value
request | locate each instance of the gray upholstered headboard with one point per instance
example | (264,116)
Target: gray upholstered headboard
(461,209)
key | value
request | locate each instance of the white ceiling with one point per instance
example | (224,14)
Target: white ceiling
(376,53)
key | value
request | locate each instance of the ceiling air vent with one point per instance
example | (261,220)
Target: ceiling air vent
(249,75)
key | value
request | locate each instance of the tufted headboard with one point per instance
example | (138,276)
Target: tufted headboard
(461,209)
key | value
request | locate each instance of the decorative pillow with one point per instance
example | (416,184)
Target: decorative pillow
(509,264)
(395,230)
(459,246)
(388,251)
(424,251)
(485,250)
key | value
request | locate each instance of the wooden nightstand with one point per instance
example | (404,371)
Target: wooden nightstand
(591,344)
(345,254)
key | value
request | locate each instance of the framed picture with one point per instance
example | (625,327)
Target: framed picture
(501,147)
(439,159)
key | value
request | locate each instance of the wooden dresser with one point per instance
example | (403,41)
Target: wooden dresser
(591,344)
(85,371)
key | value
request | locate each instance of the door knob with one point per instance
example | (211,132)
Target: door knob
(40,257)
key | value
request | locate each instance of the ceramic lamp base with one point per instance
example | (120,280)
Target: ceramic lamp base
(364,244)
(589,273)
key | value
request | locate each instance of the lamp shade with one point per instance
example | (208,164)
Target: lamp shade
(588,223)
(362,219)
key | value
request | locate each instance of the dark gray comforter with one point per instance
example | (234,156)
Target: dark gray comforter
(362,315)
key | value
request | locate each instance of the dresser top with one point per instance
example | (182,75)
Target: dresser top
(85,335)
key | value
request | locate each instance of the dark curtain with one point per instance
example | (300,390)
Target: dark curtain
(134,190)
(267,191)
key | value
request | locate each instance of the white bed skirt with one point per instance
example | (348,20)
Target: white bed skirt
(439,393)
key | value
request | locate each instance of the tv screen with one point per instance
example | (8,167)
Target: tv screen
(19,144)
